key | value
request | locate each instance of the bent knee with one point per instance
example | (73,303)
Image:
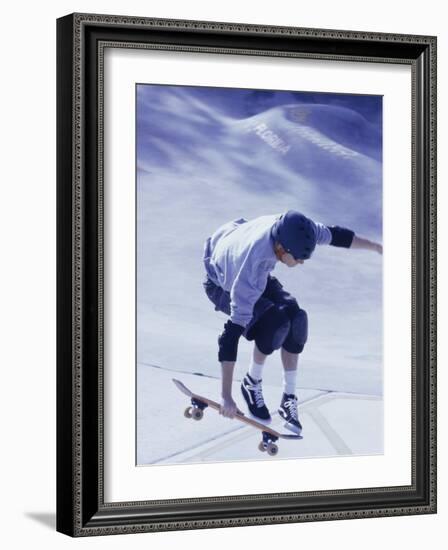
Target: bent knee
(272,331)
(298,333)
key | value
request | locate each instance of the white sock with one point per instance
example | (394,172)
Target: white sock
(289,381)
(255,370)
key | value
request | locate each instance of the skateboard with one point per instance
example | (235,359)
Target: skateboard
(200,403)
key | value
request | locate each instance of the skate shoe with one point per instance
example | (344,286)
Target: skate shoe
(288,411)
(252,393)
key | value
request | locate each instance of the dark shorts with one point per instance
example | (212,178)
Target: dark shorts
(274,295)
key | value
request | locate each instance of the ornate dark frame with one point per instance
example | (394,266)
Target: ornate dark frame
(81,39)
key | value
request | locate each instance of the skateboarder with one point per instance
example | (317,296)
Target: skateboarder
(238,260)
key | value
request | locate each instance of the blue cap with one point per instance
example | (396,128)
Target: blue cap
(296,233)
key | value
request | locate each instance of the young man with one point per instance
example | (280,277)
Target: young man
(238,259)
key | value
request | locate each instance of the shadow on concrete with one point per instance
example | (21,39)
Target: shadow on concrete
(48,519)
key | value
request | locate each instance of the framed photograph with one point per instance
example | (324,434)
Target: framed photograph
(246,274)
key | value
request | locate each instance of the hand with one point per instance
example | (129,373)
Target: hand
(228,407)
(379,248)
(365,244)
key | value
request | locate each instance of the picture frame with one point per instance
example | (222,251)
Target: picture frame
(81,506)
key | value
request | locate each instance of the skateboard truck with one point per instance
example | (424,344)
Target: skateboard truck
(268,444)
(196,411)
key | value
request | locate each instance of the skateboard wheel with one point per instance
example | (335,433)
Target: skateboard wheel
(272,449)
(187,412)
(197,414)
(262,447)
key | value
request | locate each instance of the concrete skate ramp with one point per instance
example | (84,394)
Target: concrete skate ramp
(334,423)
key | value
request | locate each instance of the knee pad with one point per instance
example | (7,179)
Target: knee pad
(271,330)
(298,333)
(291,307)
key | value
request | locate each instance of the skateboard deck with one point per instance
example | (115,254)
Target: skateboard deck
(199,403)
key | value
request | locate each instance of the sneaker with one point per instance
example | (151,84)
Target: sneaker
(288,411)
(252,393)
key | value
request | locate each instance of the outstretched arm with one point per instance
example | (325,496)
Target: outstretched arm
(346,238)
(365,244)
